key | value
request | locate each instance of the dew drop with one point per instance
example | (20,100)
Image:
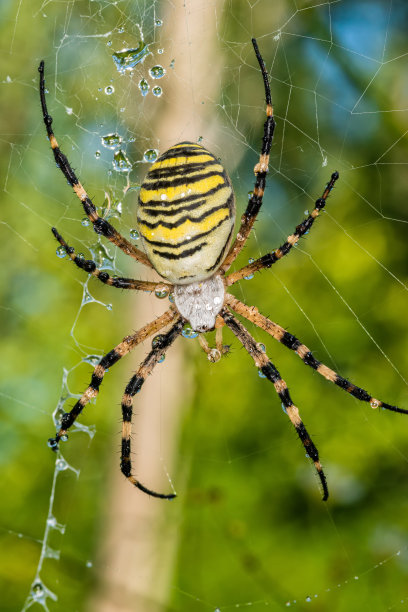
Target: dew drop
(38,591)
(111,141)
(157,340)
(157,72)
(127,59)
(261,374)
(261,347)
(157,91)
(134,234)
(158,22)
(162,358)
(61,252)
(374,403)
(120,162)
(173,61)
(150,155)
(85,222)
(160,51)
(161,291)
(308,598)
(189,332)
(61,464)
(64,438)
(89,564)
(144,87)
(171,298)
(109,90)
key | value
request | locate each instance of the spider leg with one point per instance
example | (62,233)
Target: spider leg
(270,258)
(133,387)
(271,373)
(127,344)
(261,170)
(114,281)
(284,337)
(101,226)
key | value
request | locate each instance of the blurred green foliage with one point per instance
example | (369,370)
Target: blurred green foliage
(253,528)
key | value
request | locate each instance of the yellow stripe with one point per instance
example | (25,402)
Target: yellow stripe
(173,193)
(179,161)
(188,228)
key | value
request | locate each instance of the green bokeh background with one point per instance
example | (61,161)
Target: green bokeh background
(250,525)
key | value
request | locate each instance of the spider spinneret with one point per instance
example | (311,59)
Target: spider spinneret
(186,218)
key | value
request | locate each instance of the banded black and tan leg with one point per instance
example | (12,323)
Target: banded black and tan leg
(133,387)
(89,266)
(271,373)
(107,361)
(290,341)
(101,226)
(261,170)
(267,260)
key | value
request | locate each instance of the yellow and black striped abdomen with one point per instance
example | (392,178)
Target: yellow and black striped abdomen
(186,214)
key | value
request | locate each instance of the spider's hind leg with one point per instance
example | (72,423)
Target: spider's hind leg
(271,373)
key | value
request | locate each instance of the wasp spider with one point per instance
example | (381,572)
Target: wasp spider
(186,218)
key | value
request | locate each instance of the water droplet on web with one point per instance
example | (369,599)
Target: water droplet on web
(199,139)
(144,87)
(277,36)
(189,332)
(109,43)
(158,22)
(160,51)
(324,162)
(61,252)
(121,30)
(150,155)
(161,291)
(120,162)
(127,59)
(157,91)
(251,260)
(261,374)
(92,359)
(38,591)
(109,90)
(308,598)
(173,61)
(85,222)
(134,234)
(97,154)
(61,464)
(64,438)
(111,141)
(306,212)
(89,564)
(68,110)
(157,72)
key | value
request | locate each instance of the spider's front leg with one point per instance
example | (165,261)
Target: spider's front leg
(89,266)
(271,373)
(267,260)
(101,226)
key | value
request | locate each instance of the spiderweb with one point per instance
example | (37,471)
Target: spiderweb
(125,81)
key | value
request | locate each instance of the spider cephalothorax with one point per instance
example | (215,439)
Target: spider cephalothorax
(186,219)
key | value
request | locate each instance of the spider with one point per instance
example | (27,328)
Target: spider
(185,219)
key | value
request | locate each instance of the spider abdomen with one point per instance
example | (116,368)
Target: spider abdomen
(186,213)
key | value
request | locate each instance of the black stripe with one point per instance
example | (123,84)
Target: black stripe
(186,152)
(109,359)
(127,413)
(158,173)
(222,254)
(183,219)
(182,180)
(290,341)
(168,212)
(190,198)
(186,253)
(167,245)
